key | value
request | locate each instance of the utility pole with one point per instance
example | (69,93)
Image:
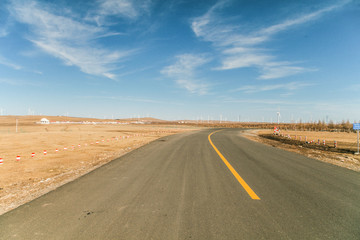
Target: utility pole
(356,126)
(358,141)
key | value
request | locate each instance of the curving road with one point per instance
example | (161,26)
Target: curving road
(180,187)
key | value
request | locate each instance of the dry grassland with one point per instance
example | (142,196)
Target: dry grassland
(78,153)
(347,141)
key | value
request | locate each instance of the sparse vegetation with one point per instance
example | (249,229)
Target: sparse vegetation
(71,151)
(344,126)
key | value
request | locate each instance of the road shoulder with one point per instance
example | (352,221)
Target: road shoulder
(345,160)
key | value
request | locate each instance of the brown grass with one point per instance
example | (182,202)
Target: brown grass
(21,181)
(346,141)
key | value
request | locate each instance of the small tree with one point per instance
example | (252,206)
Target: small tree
(346,126)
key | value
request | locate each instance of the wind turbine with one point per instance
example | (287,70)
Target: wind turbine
(278,116)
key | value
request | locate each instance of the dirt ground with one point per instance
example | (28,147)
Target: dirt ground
(72,150)
(343,156)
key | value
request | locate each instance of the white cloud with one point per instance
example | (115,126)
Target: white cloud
(200,25)
(5,25)
(193,86)
(184,73)
(130,99)
(127,9)
(3,32)
(185,65)
(17,82)
(257,101)
(68,39)
(239,49)
(272,72)
(117,7)
(244,60)
(299,20)
(292,86)
(8,63)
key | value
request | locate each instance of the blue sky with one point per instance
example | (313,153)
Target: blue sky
(172,60)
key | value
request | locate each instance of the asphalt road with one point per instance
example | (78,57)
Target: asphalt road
(178,187)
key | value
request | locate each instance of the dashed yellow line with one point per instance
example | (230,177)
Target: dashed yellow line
(247,188)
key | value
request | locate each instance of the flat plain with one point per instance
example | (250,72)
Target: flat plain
(72,150)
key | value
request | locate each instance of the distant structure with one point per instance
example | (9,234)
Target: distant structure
(278,117)
(44,121)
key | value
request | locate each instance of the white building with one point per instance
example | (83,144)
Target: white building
(44,121)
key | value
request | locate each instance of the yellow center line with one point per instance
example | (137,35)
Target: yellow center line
(251,193)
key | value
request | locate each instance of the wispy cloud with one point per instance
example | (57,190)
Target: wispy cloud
(292,86)
(258,101)
(239,57)
(116,7)
(270,102)
(129,99)
(271,71)
(285,25)
(17,82)
(8,63)
(4,27)
(128,9)
(184,72)
(241,49)
(3,32)
(66,38)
